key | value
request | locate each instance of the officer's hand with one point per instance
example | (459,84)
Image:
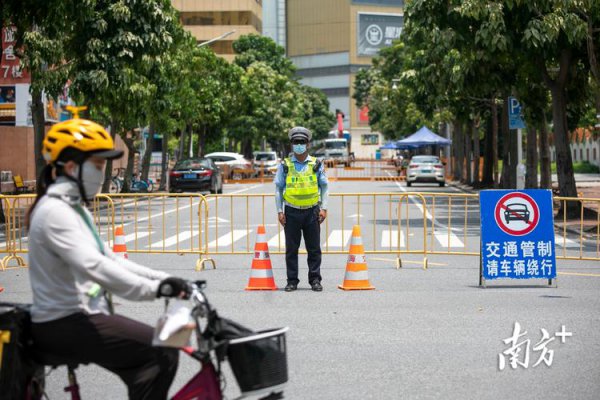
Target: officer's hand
(322,216)
(281,217)
(173,287)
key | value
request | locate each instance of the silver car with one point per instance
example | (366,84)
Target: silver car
(425,169)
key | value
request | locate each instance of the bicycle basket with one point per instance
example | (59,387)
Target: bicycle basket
(259,361)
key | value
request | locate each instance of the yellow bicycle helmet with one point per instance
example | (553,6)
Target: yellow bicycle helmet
(78,134)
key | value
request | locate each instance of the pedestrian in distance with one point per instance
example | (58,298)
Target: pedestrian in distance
(301,201)
(72,271)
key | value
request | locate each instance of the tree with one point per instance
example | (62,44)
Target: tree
(110,50)
(255,48)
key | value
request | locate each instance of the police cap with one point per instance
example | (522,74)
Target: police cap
(299,132)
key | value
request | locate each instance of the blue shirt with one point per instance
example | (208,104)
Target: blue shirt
(300,166)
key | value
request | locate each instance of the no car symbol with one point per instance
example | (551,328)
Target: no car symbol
(517,214)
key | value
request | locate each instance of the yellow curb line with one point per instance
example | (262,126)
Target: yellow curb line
(405,261)
(577,274)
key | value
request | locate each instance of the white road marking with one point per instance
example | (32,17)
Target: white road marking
(131,237)
(276,240)
(338,238)
(561,241)
(442,238)
(194,203)
(172,240)
(389,239)
(226,239)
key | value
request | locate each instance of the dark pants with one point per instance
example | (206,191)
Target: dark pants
(119,344)
(305,221)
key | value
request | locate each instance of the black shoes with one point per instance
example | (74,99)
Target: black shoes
(290,287)
(315,286)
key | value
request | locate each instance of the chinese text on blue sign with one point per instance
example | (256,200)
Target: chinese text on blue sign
(517,234)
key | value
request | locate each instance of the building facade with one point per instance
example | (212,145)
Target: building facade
(330,41)
(274,21)
(210,19)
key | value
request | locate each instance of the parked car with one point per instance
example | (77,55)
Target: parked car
(425,169)
(265,162)
(231,160)
(198,174)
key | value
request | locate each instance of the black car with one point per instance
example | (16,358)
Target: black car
(195,174)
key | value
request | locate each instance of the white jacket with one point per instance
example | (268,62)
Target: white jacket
(65,261)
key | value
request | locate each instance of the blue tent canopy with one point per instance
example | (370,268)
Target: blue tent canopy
(423,137)
(389,146)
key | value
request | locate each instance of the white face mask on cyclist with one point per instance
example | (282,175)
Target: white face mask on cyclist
(91,178)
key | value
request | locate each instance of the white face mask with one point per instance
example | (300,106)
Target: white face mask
(91,178)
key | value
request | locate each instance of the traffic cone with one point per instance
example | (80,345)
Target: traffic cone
(261,274)
(119,247)
(1,289)
(357,277)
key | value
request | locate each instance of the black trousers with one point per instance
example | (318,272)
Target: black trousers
(119,344)
(298,222)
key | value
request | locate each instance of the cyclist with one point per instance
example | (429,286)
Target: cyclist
(72,270)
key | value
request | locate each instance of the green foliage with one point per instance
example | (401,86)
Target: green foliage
(254,48)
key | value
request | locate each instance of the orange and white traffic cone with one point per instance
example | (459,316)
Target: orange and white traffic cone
(119,247)
(261,274)
(357,276)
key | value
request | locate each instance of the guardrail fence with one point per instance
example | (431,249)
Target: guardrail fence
(392,223)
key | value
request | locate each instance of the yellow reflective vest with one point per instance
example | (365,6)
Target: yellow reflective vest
(301,188)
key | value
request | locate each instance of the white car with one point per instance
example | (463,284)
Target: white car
(265,162)
(425,169)
(232,161)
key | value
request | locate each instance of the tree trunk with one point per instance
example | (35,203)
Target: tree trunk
(458,151)
(476,156)
(202,140)
(164,163)
(545,161)
(494,149)
(114,128)
(148,153)
(488,156)
(181,148)
(564,162)
(468,158)
(130,143)
(39,122)
(531,179)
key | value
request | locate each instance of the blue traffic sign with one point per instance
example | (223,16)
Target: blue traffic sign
(517,234)
(515,117)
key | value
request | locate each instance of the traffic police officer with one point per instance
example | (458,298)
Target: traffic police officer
(301,200)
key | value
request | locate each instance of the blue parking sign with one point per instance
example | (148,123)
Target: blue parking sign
(517,234)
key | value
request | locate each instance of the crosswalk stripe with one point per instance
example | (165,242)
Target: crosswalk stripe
(561,241)
(276,241)
(337,237)
(172,240)
(226,239)
(442,238)
(389,239)
(131,237)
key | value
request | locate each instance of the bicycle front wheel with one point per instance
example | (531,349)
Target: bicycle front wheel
(114,187)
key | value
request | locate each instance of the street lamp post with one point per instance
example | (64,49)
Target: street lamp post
(223,36)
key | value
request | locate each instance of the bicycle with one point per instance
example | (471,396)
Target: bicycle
(258,359)
(116,181)
(140,185)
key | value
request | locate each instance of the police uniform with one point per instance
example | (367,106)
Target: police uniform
(301,192)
